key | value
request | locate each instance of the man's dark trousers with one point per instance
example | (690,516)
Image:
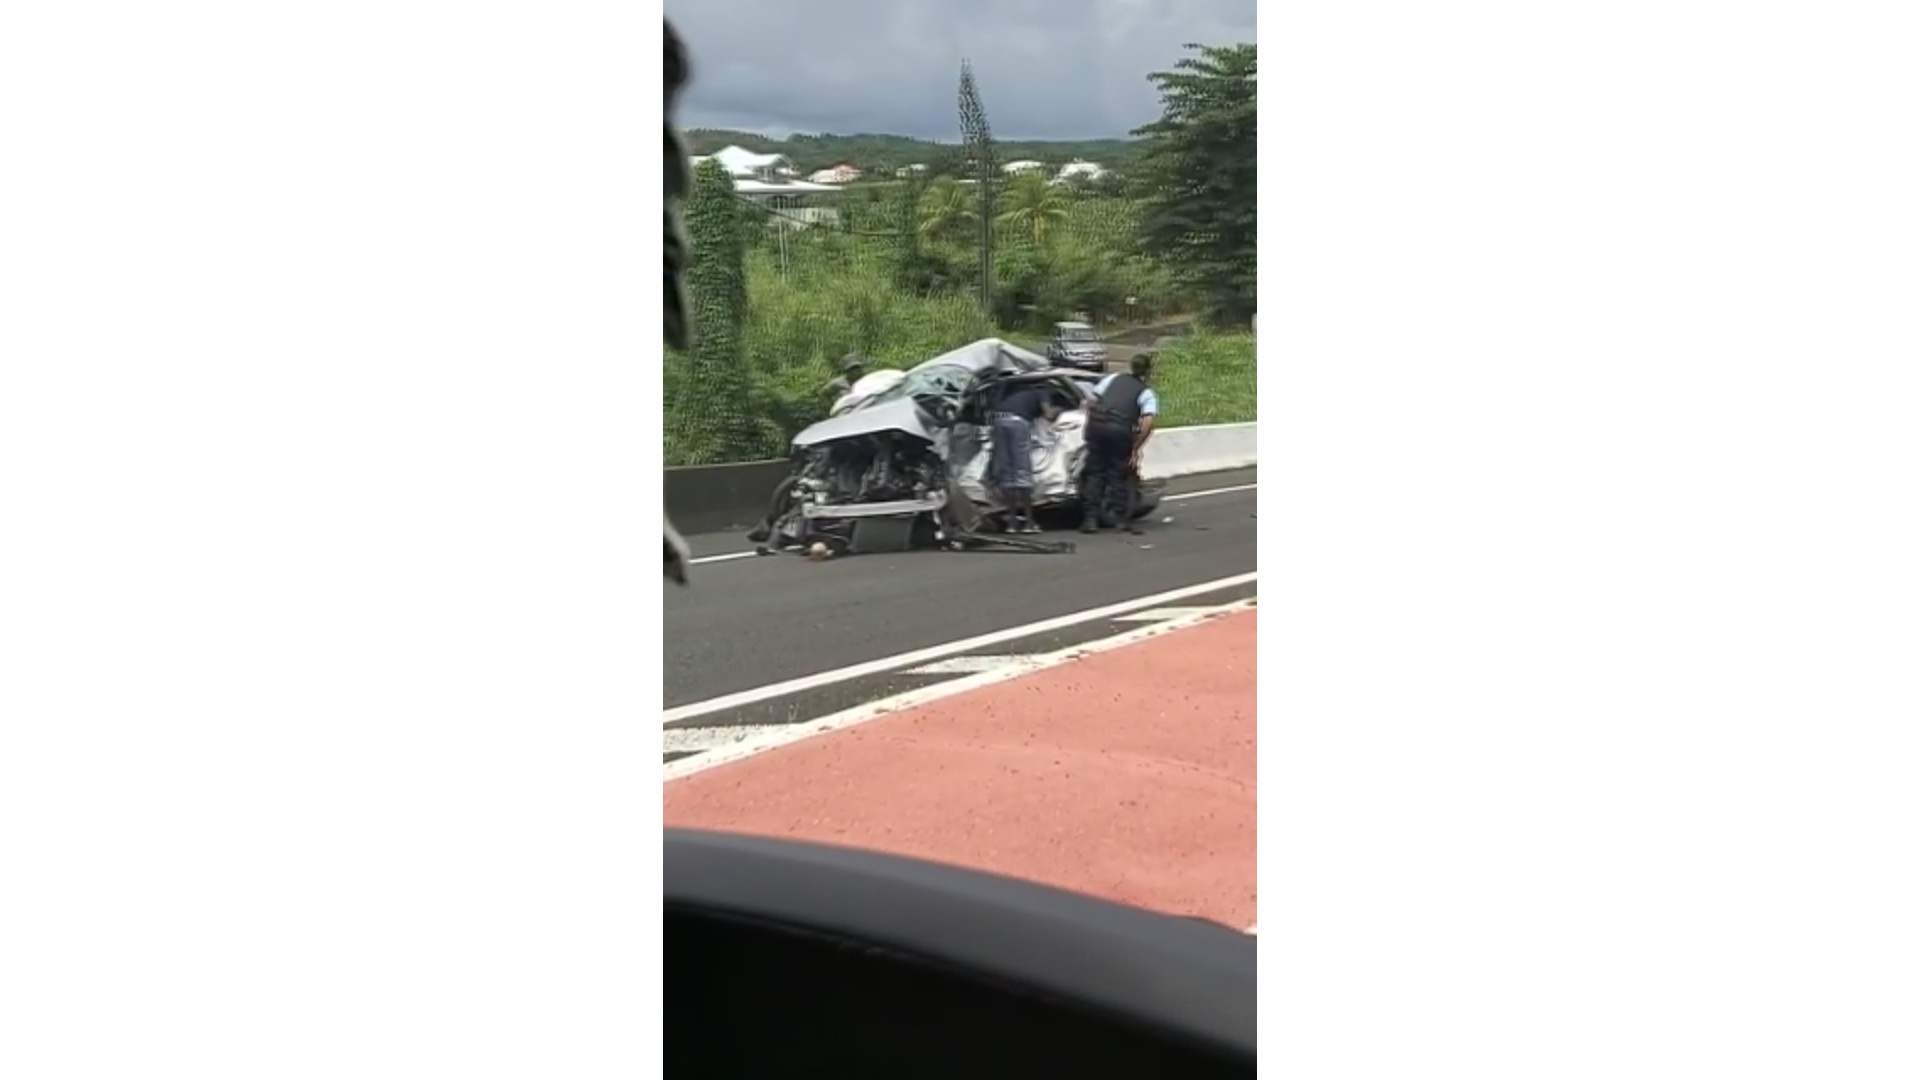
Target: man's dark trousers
(1106,481)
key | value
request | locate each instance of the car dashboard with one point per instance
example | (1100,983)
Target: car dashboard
(800,960)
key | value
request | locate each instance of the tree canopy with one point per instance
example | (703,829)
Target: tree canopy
(1197,176)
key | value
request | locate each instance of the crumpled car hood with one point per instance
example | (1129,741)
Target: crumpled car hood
(900,415)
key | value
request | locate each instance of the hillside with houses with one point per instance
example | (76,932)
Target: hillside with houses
(773,173)
(855,158)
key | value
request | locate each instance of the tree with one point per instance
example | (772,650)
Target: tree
(947,211)
(1197,175)
(977,139)
(713,393)
(1034,207)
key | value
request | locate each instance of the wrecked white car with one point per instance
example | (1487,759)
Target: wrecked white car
(903,462)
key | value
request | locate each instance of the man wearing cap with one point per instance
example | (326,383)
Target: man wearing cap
(851,369)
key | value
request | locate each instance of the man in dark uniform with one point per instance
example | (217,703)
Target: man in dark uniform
(1012,461)
(1119,423)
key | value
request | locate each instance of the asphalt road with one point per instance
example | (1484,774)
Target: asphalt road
(748,622)
(1124,346)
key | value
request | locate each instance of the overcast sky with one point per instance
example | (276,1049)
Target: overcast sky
(1047,69)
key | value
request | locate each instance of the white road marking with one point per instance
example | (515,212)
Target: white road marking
(1176,497)
(786,734)
(1179,495)
(940,652)
(694,740)
(968,665)
(1156,614)
(728,557)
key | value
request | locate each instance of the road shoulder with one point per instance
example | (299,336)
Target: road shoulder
(1129,774)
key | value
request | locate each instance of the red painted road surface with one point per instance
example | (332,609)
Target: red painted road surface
(1128,774)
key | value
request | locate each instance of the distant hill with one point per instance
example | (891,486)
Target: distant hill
(879,155)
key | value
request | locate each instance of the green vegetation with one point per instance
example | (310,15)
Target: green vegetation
(1207,378)
(906,270)
(712,380)
(1200,204)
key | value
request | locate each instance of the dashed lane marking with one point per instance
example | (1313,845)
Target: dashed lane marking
(687,741)
(968,665)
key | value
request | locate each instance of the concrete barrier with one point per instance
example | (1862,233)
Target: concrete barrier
(716,498)
(1183,451)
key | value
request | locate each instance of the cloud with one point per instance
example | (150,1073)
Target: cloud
(1054,70)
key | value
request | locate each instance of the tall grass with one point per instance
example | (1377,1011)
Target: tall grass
(800,325)
(802,321)
(1207,378)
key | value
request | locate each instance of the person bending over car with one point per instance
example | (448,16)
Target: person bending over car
(1012,460)
(1119,423)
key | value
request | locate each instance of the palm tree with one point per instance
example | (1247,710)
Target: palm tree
(947,209)
(1033,206)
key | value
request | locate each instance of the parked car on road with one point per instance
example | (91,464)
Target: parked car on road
(1075,345)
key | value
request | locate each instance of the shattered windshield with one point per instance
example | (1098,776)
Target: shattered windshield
(941,382)
(1076,333)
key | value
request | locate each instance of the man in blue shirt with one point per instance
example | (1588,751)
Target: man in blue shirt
(1012,460)
(1119,422)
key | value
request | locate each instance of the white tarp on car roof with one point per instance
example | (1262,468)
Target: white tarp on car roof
(872,384)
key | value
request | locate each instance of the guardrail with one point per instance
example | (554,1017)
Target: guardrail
(714,498)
